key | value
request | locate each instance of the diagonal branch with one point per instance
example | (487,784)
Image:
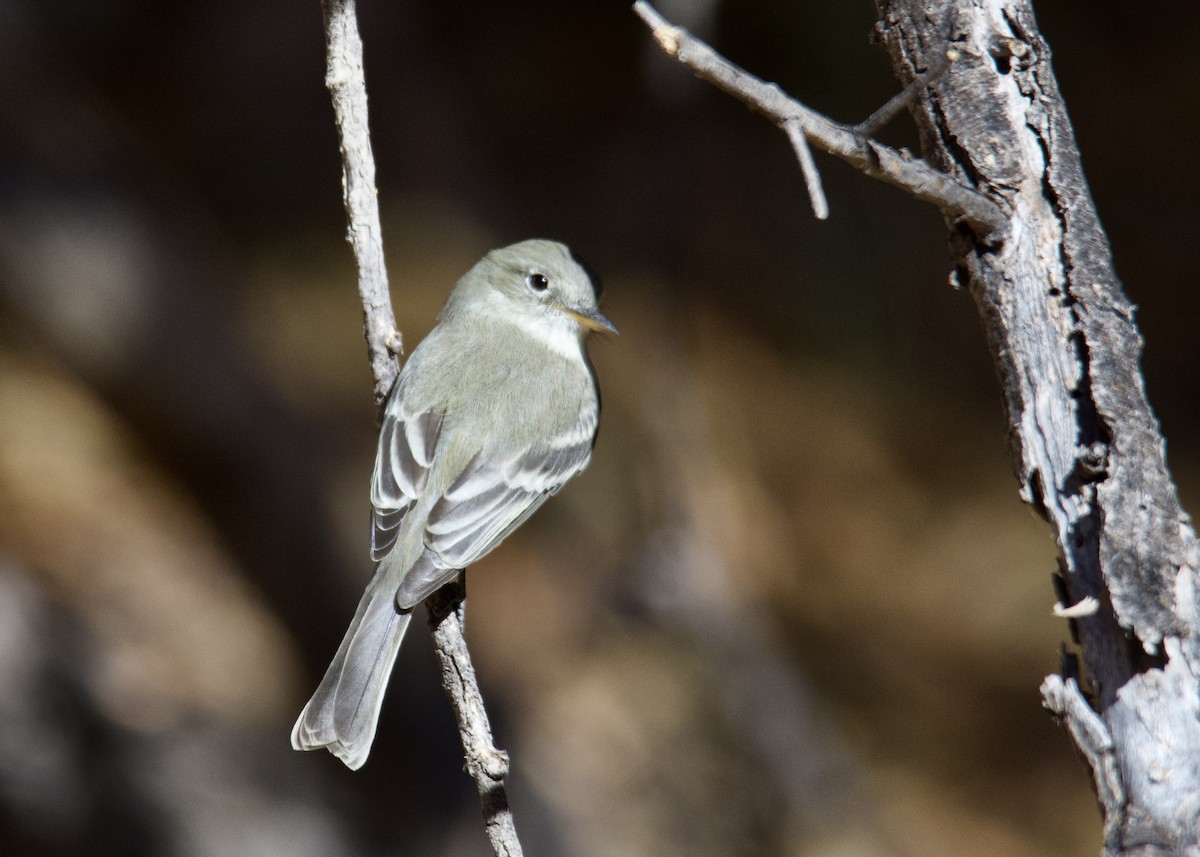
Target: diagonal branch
(344,78)
(899,168)
(906,96)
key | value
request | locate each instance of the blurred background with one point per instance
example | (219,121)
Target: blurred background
(793,607)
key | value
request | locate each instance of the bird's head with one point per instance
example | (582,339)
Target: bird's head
(538,285)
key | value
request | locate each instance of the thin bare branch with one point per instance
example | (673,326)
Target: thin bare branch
(348,89)
(347,86)
(898,168)
(904,97)
(487,764)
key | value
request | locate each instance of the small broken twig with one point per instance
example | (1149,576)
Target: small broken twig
(897,168)
(1092,736)
(812,178)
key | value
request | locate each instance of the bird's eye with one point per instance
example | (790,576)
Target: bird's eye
(538,282)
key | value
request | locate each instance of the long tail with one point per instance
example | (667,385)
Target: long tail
(343,713)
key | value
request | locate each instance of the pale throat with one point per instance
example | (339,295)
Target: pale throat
(557,331)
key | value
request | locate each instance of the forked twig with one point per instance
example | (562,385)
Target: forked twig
(897,168)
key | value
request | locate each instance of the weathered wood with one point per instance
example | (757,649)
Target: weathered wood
(345,80)
(1085,443)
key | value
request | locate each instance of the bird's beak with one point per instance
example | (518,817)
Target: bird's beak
(592,319)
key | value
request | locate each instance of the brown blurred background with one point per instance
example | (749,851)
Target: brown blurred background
(794,606)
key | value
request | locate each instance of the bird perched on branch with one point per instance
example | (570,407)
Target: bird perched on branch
(496,409)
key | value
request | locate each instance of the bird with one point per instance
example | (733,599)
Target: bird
(496,409)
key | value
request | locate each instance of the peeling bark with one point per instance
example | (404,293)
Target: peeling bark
(1085,444)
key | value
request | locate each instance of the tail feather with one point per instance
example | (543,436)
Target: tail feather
(344,711)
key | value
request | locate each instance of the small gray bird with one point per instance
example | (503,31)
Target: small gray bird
(496,409)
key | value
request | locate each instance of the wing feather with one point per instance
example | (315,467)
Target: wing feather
(406,448)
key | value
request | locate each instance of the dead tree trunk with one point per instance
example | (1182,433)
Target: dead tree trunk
(1028,245)
(1085,443)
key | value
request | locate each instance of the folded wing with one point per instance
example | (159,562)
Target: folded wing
(491,498)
